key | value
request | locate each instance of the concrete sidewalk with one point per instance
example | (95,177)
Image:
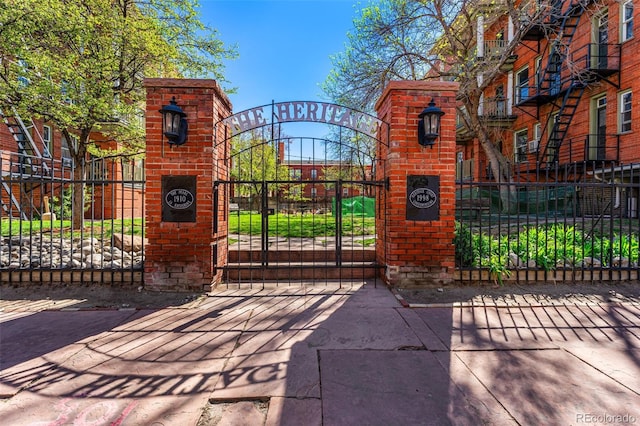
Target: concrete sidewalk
(319,355)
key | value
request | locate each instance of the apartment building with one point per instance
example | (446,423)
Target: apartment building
(37,166)
(318,180)
(566,103)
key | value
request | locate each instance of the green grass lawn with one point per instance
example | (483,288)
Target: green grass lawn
(281,225)
(300,225)
(98,228)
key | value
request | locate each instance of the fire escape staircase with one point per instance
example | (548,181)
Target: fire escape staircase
(30,162)
(552,86)
(570,102)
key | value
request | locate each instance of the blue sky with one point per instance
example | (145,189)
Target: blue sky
(283,45)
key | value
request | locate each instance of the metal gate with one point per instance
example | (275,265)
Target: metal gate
(299,209)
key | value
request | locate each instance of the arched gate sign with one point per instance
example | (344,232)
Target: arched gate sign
(294,208)
(307,111)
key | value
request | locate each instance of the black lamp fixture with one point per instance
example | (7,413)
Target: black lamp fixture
(429,124)
(174,123)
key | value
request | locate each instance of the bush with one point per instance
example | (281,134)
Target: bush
(549,246)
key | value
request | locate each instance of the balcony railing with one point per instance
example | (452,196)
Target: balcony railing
(495,48)
(591,147)
(598,59)
(602,147)
(495,108)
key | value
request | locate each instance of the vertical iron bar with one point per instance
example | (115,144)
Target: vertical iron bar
(339,222)
(265,225)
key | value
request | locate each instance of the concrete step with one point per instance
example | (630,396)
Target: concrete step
(294,271)
(322,256)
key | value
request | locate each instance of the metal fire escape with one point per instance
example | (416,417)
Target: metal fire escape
(552,85)
(29,163)
(563,80)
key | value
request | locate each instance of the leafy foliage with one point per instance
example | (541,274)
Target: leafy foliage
(551,247)
(63,206)
(80,65)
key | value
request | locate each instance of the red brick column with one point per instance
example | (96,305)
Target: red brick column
(417,253)
(178,255)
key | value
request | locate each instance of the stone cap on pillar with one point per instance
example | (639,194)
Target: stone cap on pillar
(422,85)
(190,83)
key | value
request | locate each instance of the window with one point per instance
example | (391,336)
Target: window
(314,174)
(537,131)
(459,156)
(501,105)
(520,146)
(537,70)
(295,174)
(67,160)
(133,172)
(522,85)
(47,141)
(625,112)
(627,20)
(97,169)
(534,144)
(345,192)
(314,192)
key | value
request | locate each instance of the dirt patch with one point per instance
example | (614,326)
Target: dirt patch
(237,412)
(93,297)
(535,293)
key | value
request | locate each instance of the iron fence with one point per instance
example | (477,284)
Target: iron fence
(62,223)
(577,222)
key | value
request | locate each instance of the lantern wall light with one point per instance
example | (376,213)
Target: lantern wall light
(429,125)
(174,123)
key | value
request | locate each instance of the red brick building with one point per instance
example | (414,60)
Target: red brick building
(317,178)
(36,162)
(569,96)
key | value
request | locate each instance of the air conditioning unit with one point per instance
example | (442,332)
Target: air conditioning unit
(533,146)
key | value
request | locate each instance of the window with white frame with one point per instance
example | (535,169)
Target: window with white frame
(625,112)
(537,70)
(47,140)
(537,131)
(522,85)
(345,192)
(460,156)
(314,174)
(67,159)
(520,139)
(626,25)
(314,192)
(534,143)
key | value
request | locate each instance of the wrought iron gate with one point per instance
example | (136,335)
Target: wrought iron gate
(300,208)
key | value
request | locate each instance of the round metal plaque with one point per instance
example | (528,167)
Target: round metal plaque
(423,198)
(179,199)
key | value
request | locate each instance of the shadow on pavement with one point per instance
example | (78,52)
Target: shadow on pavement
(321,355)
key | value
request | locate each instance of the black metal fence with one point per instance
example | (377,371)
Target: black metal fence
(49,235)
(575,223)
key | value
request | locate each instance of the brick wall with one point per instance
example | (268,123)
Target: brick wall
(179,255)
(417,253)
(582,124)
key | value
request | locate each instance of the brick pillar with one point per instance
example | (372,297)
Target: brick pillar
(418,252)
(178,255)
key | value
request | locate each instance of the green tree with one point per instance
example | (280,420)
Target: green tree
(254,163)
(80,64)
(427,39)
